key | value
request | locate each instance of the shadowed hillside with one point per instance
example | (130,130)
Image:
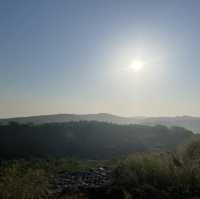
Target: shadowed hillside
(91,140)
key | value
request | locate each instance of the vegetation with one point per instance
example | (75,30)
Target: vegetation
(86,140)
(33,179)
(165,175)
(188,122)
(139,176)
(32,156)
(17,181)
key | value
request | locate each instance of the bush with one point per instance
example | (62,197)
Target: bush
(159,175)
(192,152)
(139,176)
(32,179)
(18,182)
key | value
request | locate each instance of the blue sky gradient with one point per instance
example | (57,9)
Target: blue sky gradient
(72,56)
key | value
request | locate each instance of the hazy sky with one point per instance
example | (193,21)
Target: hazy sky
(75,57)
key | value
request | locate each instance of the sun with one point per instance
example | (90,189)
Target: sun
(137,65)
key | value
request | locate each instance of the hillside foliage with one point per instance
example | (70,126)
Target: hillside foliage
(88,140)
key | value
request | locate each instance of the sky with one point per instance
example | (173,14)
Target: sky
(75,56)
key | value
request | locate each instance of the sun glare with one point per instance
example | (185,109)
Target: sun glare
(137,65)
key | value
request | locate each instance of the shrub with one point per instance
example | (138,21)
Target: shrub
(158,176)
(18,182)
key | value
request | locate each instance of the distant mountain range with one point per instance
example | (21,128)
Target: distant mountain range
(188,122)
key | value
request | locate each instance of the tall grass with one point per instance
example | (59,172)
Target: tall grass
(139,176)
(19,182)
(163,176)
(33,179)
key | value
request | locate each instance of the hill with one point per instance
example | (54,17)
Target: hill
(90,140)
(191,123)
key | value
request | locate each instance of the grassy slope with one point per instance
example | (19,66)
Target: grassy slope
(140,176)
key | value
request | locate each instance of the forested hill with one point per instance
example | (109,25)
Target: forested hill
(188,122)
(91,140)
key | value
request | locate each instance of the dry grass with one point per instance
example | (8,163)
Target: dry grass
(163,176)
(140,176)
(19,183)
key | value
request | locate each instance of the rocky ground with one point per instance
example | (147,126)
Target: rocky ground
(96,183)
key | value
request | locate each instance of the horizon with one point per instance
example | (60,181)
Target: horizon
(128,58)
(111,114)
